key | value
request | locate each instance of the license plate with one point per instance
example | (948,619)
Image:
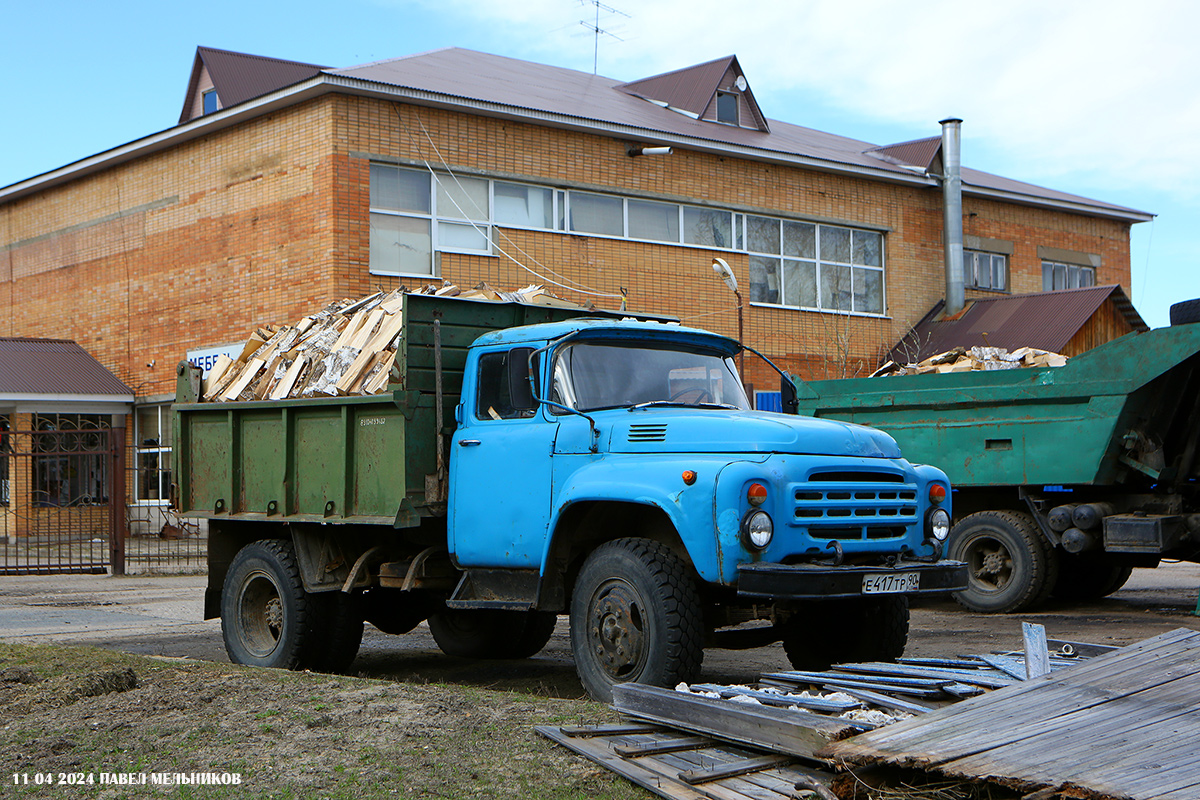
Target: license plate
(892,583)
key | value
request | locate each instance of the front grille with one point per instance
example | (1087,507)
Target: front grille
(648,432)
(855,505)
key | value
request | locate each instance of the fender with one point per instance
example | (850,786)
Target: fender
(655,481)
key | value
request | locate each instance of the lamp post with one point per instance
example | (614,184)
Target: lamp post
(722,269)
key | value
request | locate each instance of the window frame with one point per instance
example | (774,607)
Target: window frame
(974,253)
(1068,267)
(163,454)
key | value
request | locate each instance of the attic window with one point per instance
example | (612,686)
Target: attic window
(727,108)
(210,101)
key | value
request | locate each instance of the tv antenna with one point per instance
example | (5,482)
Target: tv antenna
(596,30)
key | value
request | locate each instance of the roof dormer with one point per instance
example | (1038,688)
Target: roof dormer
(221,78)
(716,91)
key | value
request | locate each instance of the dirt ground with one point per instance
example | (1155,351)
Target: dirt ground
(408,722)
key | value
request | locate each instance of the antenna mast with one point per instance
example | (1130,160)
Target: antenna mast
(596,30)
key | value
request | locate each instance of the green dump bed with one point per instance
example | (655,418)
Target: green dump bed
(1127,411)
(341,459)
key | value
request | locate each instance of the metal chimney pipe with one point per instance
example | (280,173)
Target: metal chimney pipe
(953,213)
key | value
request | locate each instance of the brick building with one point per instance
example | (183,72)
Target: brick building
(286,185)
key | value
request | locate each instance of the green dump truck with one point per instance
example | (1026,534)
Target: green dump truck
(1064,478)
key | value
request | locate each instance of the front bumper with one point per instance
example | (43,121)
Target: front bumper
(817,582)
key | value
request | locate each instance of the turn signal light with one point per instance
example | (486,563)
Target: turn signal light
(756,494)
(937,493)
(689,476)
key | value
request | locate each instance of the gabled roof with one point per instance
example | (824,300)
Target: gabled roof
(693,89)
(238,77)
(488,85)
(55,370)
(1046,320)
(923,154)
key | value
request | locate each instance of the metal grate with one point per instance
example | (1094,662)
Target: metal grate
(648,432)
(855,505)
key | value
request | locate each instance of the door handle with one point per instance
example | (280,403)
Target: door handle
(469,443)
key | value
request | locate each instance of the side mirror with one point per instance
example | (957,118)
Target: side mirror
(520,389)
(787,396)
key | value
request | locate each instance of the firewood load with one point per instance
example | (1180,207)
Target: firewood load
(962,359)
(347,348)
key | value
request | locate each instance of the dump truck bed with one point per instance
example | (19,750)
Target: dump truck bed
(372,459)
(1126,407)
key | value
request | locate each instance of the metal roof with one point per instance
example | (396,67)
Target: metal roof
(239,77)
(490,85)
(1046,320)
(55,370)
(923,153)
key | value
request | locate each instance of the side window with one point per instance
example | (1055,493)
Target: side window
(493,400)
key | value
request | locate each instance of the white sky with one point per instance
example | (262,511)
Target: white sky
(1096,98)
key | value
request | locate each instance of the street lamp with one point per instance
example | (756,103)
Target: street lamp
(722,269)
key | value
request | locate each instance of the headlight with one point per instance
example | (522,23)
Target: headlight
(757,530)
(939,524)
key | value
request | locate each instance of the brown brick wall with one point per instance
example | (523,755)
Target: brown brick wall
(267,221)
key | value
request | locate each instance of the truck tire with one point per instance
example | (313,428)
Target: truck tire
(336,628)
(635,617)
(264,609)
(846,631)
(491,633)
(1089,576)
(1185,312)
(1009,567)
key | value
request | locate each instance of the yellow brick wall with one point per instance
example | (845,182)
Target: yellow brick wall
(267,221)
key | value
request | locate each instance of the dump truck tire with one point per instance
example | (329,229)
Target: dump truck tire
(1185,312)
(1089,576)
(490,633)
(265,613)
(1009,568)
(336,628)
(845,631)
(635,617)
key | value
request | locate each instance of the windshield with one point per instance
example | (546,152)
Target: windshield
(589,376)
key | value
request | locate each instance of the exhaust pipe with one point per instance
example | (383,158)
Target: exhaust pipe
(953,214)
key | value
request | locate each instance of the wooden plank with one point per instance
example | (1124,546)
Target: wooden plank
(782,731)
(782,700)
(588,731)
(1037,655)
(694,777)
(665,746)
(1006,664)
(988,679)
(884,700)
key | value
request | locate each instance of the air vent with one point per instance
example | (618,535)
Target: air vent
(648,433)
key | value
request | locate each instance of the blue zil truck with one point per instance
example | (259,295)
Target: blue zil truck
(528,464)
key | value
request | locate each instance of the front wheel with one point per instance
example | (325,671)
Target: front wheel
(635,617)
(1009,567)
(265,614)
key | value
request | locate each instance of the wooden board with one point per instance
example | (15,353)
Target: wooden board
(1122,725)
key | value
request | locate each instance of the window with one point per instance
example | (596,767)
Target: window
(414,213)
(985,270)
(152,454)
(727,108)
(813,266)
(493,398)
(71,455)
(1056,276)
(210,101)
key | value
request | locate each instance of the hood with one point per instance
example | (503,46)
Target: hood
(659,430)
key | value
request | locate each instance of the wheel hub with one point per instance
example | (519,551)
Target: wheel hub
(617,631)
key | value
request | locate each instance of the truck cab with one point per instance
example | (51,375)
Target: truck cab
(615,471)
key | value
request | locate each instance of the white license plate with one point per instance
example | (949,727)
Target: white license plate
(892,583)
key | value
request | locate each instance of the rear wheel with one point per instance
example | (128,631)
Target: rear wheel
(1089,576)
(265,613)
(1009,566)
(845,631)
(635,617)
